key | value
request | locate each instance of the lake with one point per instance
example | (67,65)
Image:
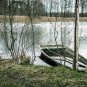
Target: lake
(45,33)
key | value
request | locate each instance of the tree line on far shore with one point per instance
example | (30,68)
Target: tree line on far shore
(37,8)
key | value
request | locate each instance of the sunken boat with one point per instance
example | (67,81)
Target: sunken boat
(56,55)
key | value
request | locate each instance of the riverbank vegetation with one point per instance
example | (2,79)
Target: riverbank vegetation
(24,19)
(13,75)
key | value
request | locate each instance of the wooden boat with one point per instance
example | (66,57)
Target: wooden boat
(47,59)
(51,53)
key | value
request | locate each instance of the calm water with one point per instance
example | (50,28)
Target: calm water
(44,33)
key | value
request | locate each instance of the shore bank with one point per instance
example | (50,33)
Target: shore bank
(42,19)
(13,75)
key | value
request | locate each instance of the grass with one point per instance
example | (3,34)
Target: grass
(12,75)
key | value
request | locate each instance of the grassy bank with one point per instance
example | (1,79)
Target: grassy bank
(42,19)
(12,75)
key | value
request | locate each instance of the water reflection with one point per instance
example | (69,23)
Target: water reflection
(44,34)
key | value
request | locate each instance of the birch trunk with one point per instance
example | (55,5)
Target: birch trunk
(76,39)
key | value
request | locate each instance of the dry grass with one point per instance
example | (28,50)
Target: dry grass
(41,19)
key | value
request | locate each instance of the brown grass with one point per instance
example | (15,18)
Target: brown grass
(41,19)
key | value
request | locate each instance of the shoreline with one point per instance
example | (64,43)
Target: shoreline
(42,19)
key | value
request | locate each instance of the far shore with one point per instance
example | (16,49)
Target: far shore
(42,19)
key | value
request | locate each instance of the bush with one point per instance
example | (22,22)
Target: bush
(25,62)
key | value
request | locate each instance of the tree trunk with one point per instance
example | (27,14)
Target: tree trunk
(76,40)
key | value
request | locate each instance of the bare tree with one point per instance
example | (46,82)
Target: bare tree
(76,40)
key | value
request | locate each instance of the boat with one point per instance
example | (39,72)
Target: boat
(56,55)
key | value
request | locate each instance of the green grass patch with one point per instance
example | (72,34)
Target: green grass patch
(12,75)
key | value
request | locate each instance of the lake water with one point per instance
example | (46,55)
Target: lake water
(45,33)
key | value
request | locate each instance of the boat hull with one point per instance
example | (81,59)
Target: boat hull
(53,50)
